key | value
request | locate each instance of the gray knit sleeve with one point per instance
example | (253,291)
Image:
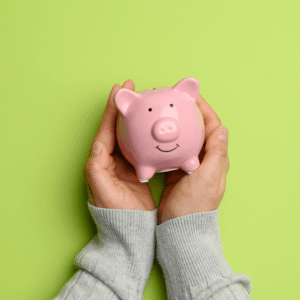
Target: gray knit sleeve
(189,250)
(116,264)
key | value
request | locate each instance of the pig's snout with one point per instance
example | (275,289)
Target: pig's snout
(166,130)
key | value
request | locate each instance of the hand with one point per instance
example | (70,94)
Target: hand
(202,190)
(111,179)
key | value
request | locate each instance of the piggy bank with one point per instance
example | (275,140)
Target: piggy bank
(161,129)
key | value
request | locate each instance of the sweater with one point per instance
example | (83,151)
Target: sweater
(116,264)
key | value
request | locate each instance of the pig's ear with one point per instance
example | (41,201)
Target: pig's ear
(189,86)
(124,98)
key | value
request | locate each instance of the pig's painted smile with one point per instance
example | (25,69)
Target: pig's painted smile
(167,150)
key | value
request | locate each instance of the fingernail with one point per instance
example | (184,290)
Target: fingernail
(223,133)
(97,148)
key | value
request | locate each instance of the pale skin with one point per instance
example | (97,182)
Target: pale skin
(112,182)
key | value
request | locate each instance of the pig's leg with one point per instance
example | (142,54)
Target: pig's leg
(144,173)
(191,165)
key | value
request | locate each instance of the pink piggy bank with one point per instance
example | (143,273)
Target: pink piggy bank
(162,129)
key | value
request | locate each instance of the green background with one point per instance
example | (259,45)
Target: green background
(59,61)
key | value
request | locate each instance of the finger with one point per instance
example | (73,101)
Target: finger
(129,84)
(202,152)
(90,194)
(89,191)
(211,119)
(224,176)
(215,157)
(107,129)
(99,181)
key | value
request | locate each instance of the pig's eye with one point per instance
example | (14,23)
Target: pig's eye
(171,105)
(150,109)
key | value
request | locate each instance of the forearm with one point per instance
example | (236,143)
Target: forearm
(116,264)
(190,252)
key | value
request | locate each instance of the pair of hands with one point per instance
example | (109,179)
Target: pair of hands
(112,182)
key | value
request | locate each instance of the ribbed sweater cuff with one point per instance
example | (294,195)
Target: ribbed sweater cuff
(122,252)
(189,250)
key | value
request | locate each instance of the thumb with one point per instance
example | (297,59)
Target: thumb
(97,175)
(215,156)
(99,156)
